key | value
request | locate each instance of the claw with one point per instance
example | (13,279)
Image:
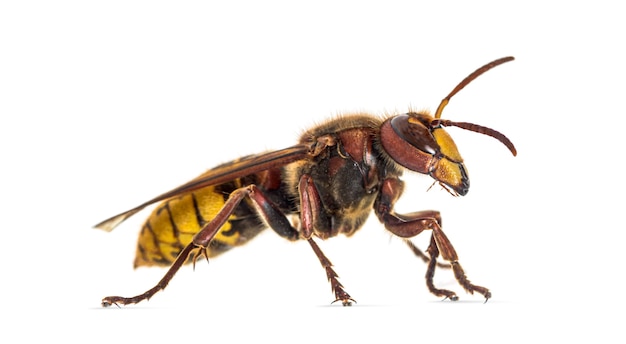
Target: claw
(345,302)
(202,251)
(109,301)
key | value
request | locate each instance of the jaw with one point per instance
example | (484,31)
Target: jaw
(452,176)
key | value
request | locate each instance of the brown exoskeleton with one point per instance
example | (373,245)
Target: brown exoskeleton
(330,181)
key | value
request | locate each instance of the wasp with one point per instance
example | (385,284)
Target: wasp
(325,185)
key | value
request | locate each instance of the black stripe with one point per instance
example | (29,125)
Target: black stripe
(155,240)
(140,248)
(175,231)
(201,221)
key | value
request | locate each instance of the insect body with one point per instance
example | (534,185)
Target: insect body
(325,185)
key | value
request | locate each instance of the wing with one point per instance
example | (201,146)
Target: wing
(221,174)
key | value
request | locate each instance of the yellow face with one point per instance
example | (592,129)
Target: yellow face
(411,141)
(450,169)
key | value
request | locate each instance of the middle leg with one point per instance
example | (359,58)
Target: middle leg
(312,215)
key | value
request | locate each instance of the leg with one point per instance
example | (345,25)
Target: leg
(337,288)
(313,216)
(270,213)
(459,274)
(430,273)
(410,225)
(439,244)
(424,257)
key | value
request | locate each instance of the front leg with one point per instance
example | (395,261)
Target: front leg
(410,225)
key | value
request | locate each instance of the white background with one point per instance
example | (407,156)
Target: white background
(104,105)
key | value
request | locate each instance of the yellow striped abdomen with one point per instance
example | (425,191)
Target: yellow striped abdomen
(172,225)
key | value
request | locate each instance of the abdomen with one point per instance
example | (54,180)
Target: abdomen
(172,225)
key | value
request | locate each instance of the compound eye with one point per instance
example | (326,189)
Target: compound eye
(415,132)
